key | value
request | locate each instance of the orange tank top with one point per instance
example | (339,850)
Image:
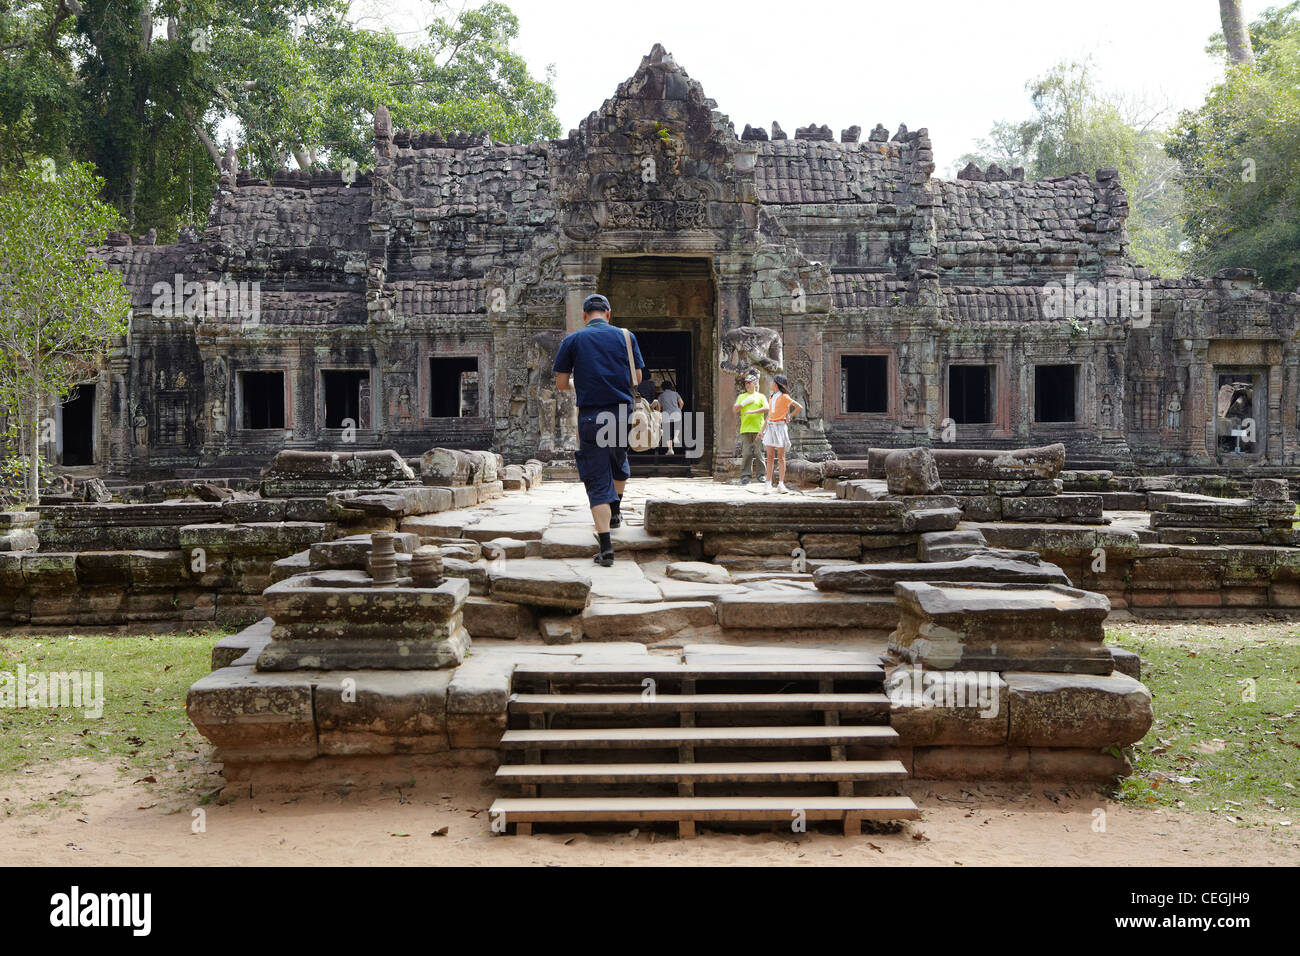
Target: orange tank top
(780,408)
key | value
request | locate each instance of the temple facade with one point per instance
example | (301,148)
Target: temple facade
(419,304)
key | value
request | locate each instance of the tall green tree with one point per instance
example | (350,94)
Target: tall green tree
(1077,126)
(1239,155)
(146,89)
(60,307)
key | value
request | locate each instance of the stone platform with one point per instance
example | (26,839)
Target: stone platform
(693,584)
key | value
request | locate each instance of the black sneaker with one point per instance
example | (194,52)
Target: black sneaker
(605,559)
(616,520)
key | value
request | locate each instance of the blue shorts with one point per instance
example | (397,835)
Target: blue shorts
(600,465)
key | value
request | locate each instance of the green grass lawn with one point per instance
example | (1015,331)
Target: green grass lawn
(143,725)
(1212,747)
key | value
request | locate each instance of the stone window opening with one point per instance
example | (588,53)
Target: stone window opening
(453,386)
(347,397)
(77,426)
(970,394)
(864,384)
(1056,393)
(261,400)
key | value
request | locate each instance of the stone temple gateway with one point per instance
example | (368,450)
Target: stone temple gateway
(420,304)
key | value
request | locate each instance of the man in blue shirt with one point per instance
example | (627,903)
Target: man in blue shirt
(593,362)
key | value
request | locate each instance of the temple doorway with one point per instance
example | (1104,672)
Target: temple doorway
(668,304)
(77,427)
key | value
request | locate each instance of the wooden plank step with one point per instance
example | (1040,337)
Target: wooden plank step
(604,738)
(657,809)
(675,703)
(634,674)
(776,771)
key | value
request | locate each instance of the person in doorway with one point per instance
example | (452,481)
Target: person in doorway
(593,362)
(648,390)
(776,433)
(671,404)
(751,405)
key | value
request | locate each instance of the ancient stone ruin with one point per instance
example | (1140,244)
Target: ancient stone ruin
(420,304)
(335,414)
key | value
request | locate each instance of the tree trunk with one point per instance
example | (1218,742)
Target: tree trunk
(1235,32)
(34,449)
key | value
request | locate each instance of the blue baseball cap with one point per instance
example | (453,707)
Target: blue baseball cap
(595,303)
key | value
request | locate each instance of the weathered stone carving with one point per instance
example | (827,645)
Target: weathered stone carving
(751,348)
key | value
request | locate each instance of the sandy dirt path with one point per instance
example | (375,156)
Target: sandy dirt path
(105,818)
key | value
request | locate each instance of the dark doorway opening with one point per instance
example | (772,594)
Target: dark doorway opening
(78,415)
(669,304)
(262,399)
(345,392)
(1055,387)
(970,394)
(669,363)
(864,383)
(453,387)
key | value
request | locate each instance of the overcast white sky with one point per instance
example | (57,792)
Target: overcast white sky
(954,66)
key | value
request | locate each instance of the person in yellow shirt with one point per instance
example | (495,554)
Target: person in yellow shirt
(776,433)
(751,405)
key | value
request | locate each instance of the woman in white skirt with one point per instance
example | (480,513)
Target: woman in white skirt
(776,433)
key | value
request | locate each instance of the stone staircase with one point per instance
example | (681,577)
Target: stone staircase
(679,743)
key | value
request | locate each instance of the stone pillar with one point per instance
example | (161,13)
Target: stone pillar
(1289,420)
(734,275)
(581,272)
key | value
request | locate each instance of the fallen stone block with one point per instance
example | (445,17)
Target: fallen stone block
(1002,464)
(949,545)
(449,466)
(566,629)
(292,473)
(503,547)
(1127,662)
(298,563)
(866,578)
(234,647)
(464,496)
(1077,710)
(20,539)
(998,627)
(481,686)
(636,538)
(475,572)
(911,471)
(484,617)
(698,572)
(569,541)
(540,583)
(609,621)
(1270,489)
